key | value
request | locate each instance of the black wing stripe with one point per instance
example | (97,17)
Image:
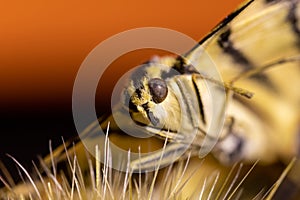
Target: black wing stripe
(221,25)
(265,81)
(227,46)
(293,20)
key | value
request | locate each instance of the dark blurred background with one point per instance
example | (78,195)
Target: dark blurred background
(42,45)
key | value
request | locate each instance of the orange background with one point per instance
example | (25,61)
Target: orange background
(44,42)
(42,45)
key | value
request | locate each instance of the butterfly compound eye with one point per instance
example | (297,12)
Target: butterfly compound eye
(158,89)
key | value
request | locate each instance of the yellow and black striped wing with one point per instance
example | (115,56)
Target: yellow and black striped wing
(264,33)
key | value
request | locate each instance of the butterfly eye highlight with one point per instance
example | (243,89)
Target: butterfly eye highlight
(158,89)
